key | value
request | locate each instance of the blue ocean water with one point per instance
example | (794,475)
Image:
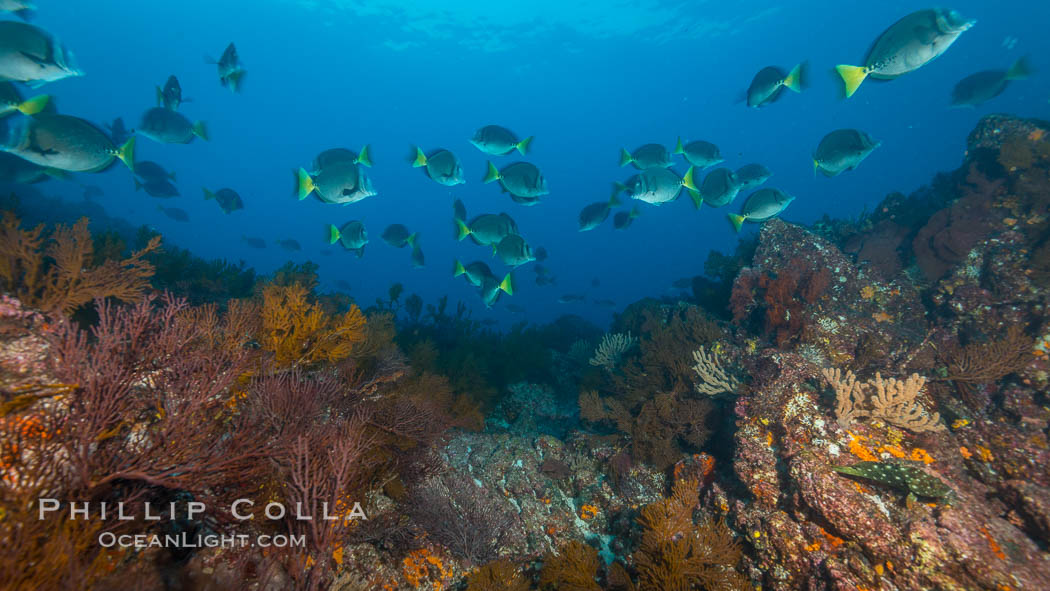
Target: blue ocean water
(585,78)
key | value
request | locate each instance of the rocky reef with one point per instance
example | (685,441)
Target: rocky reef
(933,309)
(857,405)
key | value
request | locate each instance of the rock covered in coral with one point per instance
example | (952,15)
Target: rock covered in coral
(946,239)
(1031,507)
(969,332)
(881,247)
(801,289)
(808,525)
(576,501)
(781,418)
(23,352)
(805,522)
(994,130)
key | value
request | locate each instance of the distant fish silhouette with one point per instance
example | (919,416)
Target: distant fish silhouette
(231,72)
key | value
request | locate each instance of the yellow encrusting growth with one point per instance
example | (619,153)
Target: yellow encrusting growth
(588,512)
(859,449)
(421,567)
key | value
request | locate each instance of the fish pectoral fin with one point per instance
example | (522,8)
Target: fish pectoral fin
(40,61)
(926,35)
(42,151)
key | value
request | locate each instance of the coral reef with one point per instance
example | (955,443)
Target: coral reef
(791,462)
(951,232)
(611,349)
(470,521)
(713,378)
(804,520)
(893,401)
(61,273)
(782,300)
(104,430)
(572,569)
(299,332)
(676,553)
(664,362)
(164,402)
(199,281)
(989,361)
(498,575)
(662,430)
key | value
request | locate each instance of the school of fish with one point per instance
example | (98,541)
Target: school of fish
(37,142)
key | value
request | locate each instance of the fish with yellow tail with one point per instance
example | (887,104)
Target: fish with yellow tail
(906,46)
(982,87)
(491,288)
(11,101)
(769,83)
(762,205)
(440,165)
(66,143)
(842,150)
(352,235)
